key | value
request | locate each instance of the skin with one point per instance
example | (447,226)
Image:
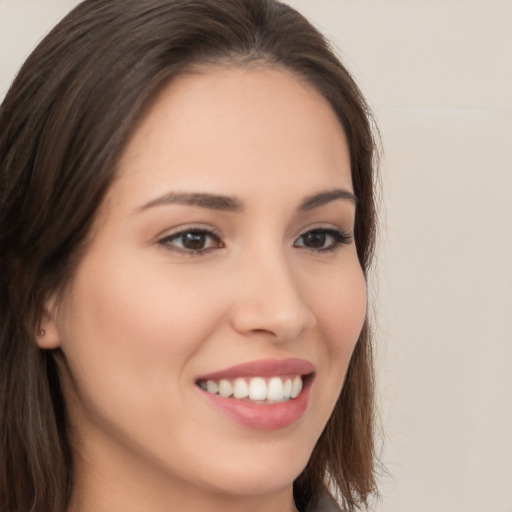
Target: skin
(144,316)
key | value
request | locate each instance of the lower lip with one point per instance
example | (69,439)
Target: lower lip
(262,416)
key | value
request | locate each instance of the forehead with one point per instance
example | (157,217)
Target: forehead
(234,130)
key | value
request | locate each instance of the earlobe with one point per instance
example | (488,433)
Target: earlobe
(47,335)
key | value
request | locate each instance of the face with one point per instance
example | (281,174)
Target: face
(221,264)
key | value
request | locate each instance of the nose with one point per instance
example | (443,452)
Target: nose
(269,299)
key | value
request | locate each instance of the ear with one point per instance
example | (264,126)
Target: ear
(47,336)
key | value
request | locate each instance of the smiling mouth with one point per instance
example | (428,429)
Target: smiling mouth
(257,389)
(263,394)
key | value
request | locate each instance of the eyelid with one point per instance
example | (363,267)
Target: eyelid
(347,230)
(185,228)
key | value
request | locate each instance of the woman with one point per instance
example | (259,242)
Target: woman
(187,222)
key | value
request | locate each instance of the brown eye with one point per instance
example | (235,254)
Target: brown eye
(314,239)
(193,241)
(323,239)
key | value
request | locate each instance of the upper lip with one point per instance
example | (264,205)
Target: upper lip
(263,368)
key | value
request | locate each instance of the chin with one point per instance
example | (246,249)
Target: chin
(266,470)
(252,481)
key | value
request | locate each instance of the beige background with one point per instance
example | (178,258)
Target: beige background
(439,77)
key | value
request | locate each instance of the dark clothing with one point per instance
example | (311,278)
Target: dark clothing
(323,503)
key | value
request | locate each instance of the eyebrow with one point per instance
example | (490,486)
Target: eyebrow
(231,204)
(322,198)
(210,201)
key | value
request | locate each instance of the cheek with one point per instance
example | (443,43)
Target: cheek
(342,311)
(134,316)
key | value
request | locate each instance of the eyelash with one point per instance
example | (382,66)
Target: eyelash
(169,240)
(339,238)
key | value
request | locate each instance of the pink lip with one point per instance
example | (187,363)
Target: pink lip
(263,368)
(263,416)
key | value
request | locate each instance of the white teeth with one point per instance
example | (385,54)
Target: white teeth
(225,388)
(240,389)
(271,390)
(275,389)
(257,389)
(212,386)
(287,389)
(296,387)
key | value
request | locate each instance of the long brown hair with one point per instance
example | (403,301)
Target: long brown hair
(63,124)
